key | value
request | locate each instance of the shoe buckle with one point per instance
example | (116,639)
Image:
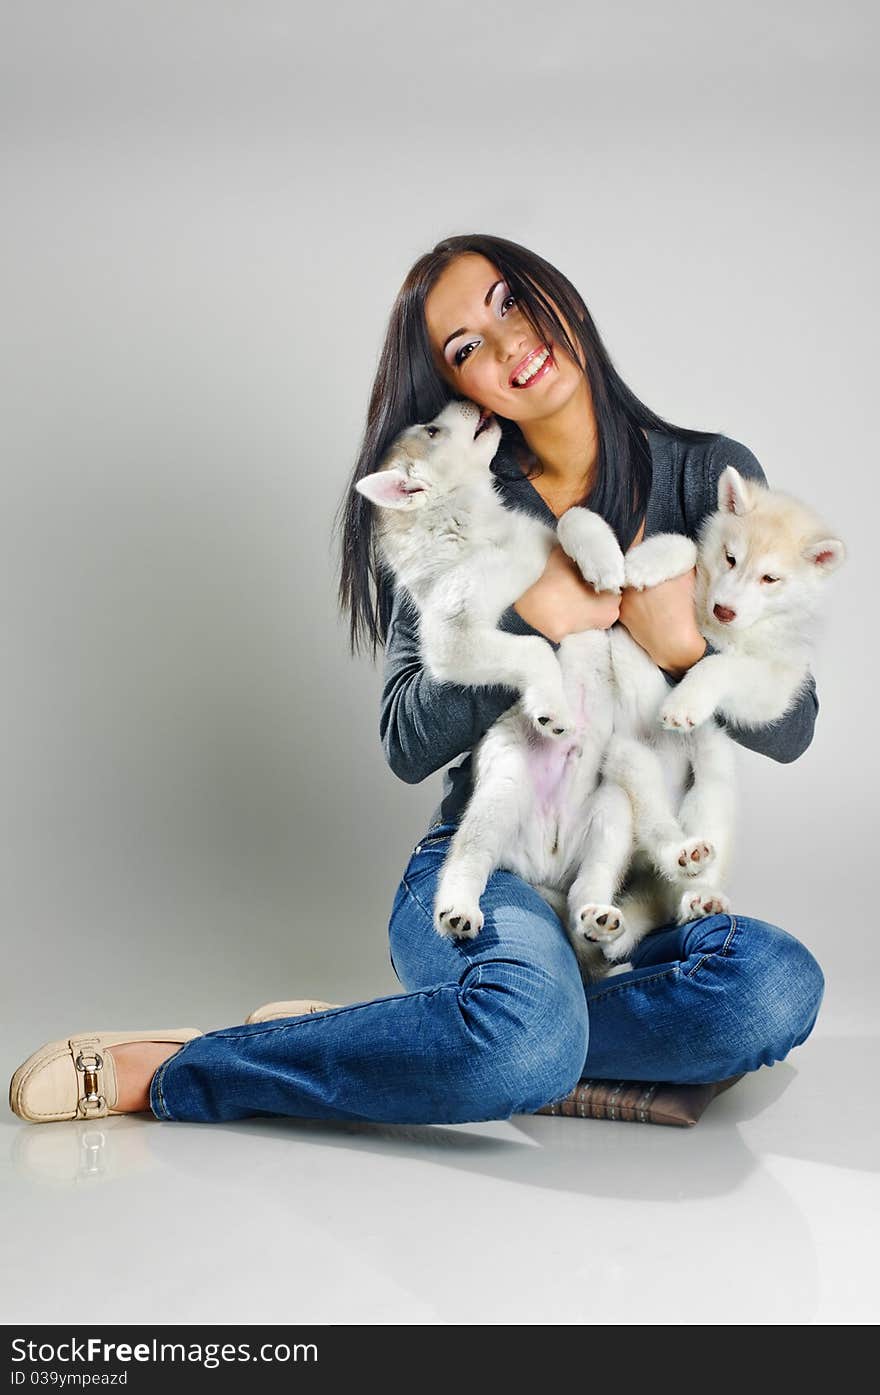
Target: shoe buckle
(91,1101)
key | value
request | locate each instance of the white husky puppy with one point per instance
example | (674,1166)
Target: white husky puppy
(538,806)
(463,558)
(762,561)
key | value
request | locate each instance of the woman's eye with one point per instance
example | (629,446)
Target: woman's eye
(432,430)
(461,355)
(769,579)
(731,561)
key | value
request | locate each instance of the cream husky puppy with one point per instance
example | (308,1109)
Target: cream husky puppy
(650,844)
(762,562)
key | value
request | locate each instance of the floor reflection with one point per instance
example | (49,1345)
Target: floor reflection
(545,1219)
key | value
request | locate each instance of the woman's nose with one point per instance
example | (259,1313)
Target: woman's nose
(515,349)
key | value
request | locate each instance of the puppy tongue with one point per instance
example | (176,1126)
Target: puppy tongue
(484,417)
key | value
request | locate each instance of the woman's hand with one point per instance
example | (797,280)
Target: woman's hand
(561,603)
(662,620)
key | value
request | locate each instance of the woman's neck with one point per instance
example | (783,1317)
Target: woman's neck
(566,443)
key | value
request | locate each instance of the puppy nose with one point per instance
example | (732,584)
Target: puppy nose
(724,614)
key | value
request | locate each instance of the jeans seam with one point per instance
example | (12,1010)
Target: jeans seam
(260,1029)
(711,954)
(164,1111)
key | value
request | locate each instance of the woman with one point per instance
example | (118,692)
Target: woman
(501,1024)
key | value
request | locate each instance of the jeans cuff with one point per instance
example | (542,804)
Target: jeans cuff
(158,1103)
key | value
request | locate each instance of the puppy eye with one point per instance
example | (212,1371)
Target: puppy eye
(433,430)
(731,561)
(769,579)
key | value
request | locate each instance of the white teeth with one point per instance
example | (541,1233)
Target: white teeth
(533,367)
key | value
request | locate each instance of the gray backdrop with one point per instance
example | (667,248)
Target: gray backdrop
(208,210)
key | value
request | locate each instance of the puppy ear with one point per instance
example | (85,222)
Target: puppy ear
(390,489)
(826,554)
(734,494)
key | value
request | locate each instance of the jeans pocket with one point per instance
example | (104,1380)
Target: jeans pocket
(434,835)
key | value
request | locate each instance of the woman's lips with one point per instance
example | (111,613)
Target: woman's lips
(548,363)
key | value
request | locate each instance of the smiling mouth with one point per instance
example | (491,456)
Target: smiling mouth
(532,366)
(485,419)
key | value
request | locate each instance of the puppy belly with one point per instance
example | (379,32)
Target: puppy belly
(549,765)
(554,817)
(560,777)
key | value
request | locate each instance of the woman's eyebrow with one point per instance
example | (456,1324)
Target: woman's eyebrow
(487,297)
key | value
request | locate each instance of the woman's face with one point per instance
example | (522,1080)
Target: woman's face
(483,344)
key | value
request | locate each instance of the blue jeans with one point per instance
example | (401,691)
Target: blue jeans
(502,1024)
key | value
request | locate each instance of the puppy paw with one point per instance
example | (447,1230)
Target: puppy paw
(598,924)
(695,904)
(659,559)
(457,917)
(589,541)
(688,859)
(604,573)
(548,713)
(683,713)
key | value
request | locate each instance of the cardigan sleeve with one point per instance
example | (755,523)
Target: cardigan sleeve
(790,735)
(424,724)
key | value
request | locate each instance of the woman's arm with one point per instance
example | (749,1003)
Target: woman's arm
(561,603)
(662,621)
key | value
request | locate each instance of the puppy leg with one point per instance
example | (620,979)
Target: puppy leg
(638,770)
(700,693)
(659,559)
(592,913)
(483,837)
(709,806)
(477,655)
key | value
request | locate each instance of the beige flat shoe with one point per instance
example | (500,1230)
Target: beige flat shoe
(295,1007)
(76,1078)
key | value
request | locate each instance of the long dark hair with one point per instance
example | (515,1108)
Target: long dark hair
(408,388)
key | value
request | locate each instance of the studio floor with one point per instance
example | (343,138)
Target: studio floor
(766,1212)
